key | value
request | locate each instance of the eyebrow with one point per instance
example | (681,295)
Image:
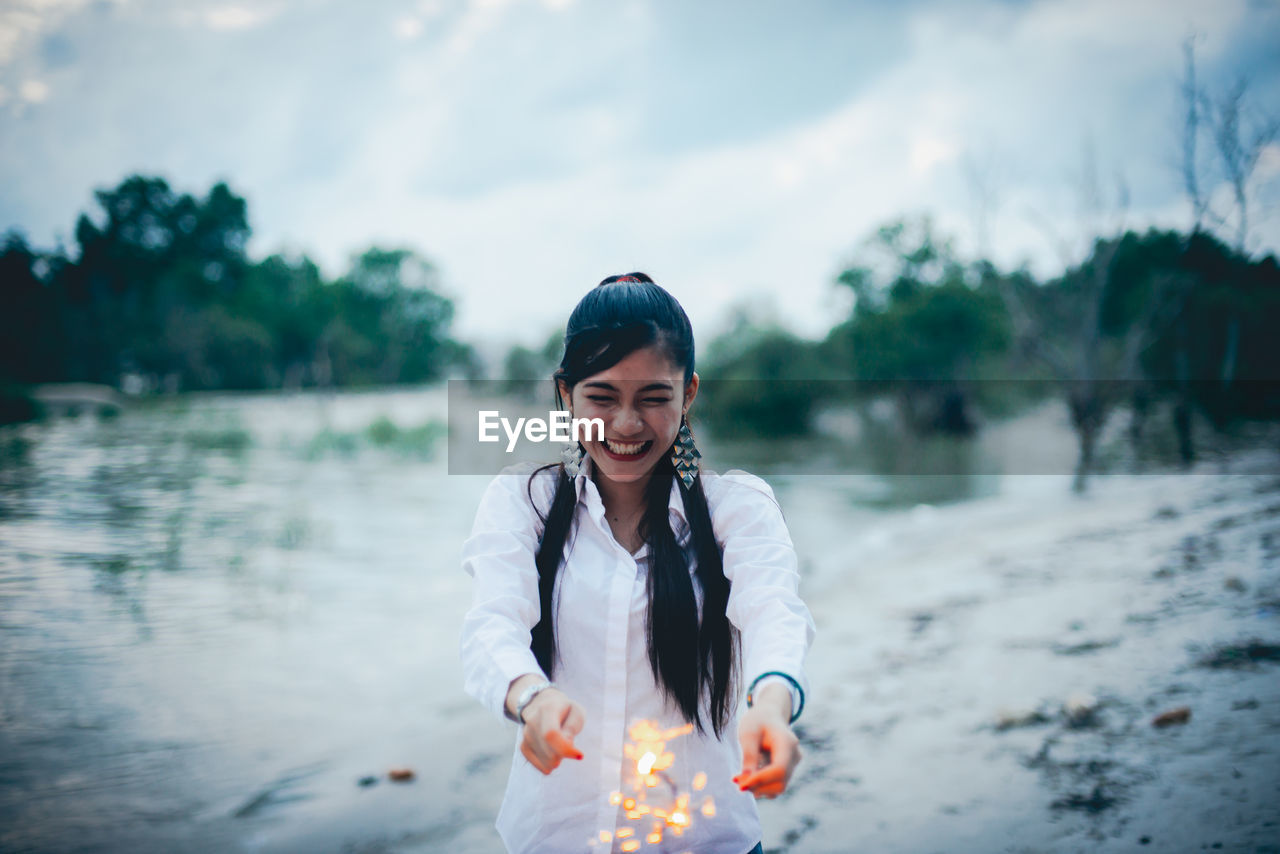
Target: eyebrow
(658,386)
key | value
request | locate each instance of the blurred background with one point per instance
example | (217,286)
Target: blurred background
(986,290)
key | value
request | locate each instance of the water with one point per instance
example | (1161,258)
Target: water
(219,613)
(200,604)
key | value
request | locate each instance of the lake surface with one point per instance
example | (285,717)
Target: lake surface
(220,612)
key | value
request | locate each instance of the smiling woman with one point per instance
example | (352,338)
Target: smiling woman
(653,592)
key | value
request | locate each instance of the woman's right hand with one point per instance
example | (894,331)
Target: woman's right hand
(551,722)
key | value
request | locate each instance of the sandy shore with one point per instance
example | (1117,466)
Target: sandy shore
(987,675)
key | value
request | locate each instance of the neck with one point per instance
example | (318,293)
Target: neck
(620,497)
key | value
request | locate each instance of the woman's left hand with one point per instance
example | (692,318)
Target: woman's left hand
(766,737)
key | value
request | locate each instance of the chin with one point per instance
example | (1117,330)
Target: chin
(626,473)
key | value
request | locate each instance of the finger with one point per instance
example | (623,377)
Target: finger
(771,791)
(547,760)
(533,758)
(784,752)
(750,740)
(547,756)
(573,721)
(562,746)
(767,776)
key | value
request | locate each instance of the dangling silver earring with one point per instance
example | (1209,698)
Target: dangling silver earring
(572,457)
(684,456)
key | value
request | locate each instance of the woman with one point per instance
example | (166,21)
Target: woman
(649,591)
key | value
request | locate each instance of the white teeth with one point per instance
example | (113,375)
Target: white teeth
(626,449)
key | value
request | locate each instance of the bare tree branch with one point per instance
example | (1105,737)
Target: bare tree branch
(1240,148)
(1192,98)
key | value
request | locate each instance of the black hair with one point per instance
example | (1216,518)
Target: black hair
(691,655)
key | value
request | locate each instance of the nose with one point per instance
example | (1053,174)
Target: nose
(627,422)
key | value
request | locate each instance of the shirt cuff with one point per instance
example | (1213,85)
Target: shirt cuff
(507,666)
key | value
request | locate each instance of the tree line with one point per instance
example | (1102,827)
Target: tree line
(159,293)
(1145,318)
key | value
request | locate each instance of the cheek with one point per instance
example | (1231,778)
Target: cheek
(669,424)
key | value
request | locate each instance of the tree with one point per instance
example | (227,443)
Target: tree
(525,372)
(30,339)
(765,381)
(920,328)
(162,289)
(152,256)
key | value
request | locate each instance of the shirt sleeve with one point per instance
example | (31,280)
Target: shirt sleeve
(760,563)
(499,556)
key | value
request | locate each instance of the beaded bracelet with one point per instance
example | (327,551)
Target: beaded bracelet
(790,679)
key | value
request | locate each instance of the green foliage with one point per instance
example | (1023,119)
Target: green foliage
(31,340)
(1215,341)
(162,288)
(526,371)
(921,327)
(920,318)
(765,381)
(234,440)
(382,434)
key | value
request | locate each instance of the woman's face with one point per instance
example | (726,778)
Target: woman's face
(640,400)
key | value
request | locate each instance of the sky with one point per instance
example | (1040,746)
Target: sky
(738,152)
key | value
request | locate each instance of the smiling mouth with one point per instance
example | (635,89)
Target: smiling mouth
(627,450)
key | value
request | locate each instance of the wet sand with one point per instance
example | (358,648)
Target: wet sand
(987,675)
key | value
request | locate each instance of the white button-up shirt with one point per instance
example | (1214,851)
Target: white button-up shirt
(603,664)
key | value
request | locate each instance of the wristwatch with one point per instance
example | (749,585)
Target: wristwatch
(526,697)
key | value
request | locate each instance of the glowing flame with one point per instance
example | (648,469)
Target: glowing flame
(655,796)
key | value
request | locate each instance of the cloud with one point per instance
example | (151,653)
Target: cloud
(232,18)
(729,154)
(34,91)
(479,17)
(784,212)
(408,27)
(22,22)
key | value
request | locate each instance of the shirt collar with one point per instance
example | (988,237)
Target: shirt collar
(583,482)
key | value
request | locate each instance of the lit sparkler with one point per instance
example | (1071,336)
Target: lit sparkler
(654,802)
